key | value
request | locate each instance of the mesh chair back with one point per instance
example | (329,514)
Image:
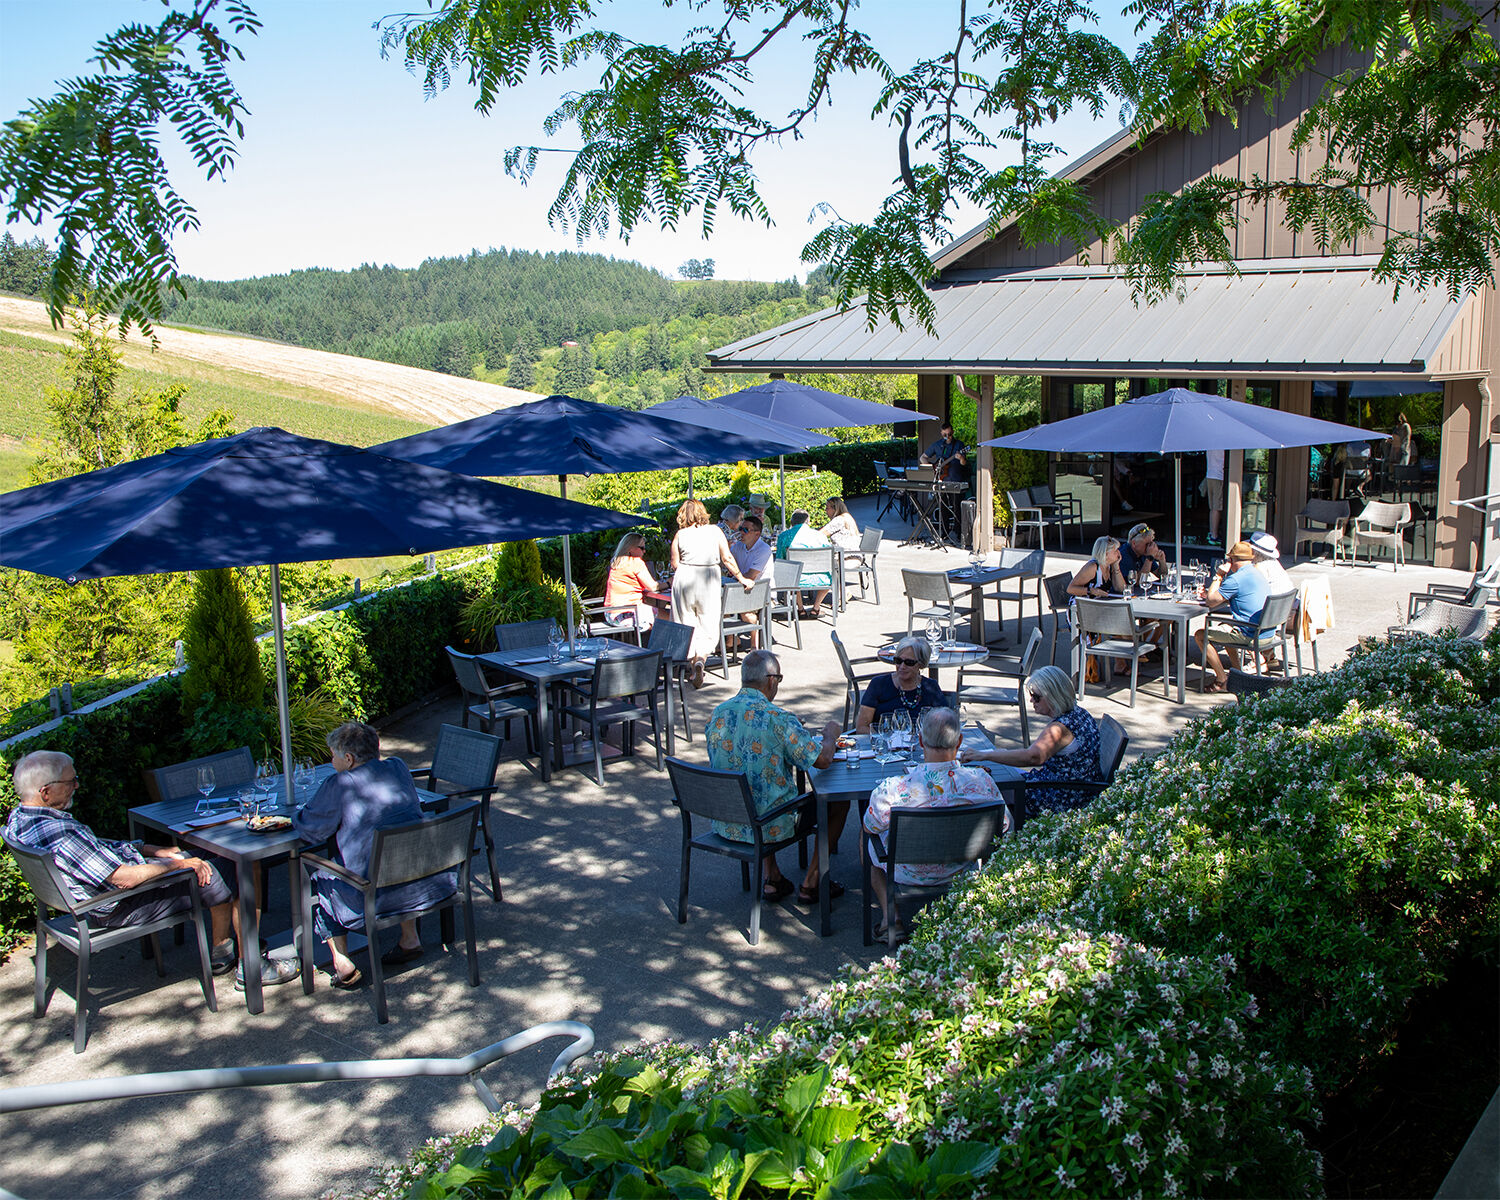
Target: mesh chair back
(232,768)
(1277,609)
(465,758)
(626,675)
(42,876)
(844,660)
(1326,512)
(1112,742)
(1383,515)
(673,640)
(468,672)
(738,599)
(1028,655)
(815,560)
(706,792)
(932,586)
(1029,561)
(939,836)
(418,849)
(882,471)
(1041,494)
(869,539)
(517,635)
(1111,618)
(1057,590)
(785,573)
(1018,499)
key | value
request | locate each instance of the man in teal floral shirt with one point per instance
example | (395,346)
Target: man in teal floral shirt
(750,733)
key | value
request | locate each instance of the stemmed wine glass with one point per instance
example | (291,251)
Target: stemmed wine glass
(901,727)
(934,633)
(880,739)
(206,785)
(554,643)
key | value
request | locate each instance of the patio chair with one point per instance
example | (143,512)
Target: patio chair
(1322,522)
(674,642)
(463,767)
(855,678)
(890,497)
(1026,515)
(1381,524)
(517,635)
(1439,617)
(402,854)
(725,796)
(822,560)
(786,597)
(1061,605)
(1223,630)
(608,620)
(1113,741)
(862,561)
(493,704)
(999,682)
(932,589)
(621,691)
(1060,512)
(742,612)
(232,769)
(1482,590)
(1033,562)
(962,835)
(1117,634)
(74,928)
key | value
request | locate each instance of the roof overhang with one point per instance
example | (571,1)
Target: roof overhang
(1323,317)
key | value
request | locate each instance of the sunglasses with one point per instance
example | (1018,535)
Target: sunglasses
(905,662)
(1035,696)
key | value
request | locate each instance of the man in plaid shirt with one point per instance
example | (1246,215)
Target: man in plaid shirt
(46,782)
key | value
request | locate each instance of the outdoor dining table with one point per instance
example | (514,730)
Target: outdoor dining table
(1013,564)
(225,834)
(1179,611)
(947,654)
(841,782)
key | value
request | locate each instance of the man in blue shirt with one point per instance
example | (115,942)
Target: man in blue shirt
(1243,590)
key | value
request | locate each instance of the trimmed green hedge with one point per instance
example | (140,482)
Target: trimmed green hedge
(1147,995)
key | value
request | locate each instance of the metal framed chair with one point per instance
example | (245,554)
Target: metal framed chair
(1026,515)
(492,704)
(1061,605)
(75,929)
(1000,683)
(517,635)
(822,560)
(1381,524)
(1322,522)
(934,590)
(855,678)
(862,561)
(1118,635)
(1483,590)
(725,796)
(961,835)
(753,604)
(1224,630)
(609,620)
(621,691)
(786,597)
(1061,512)
(463,767)
(402,854)
(1033,562)
(232,768)
(1113,742)
(1439,617)
(674,641)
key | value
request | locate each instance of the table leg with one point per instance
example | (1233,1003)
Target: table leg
(1181,626)
(976,615)
(825,901)
(544,728)
(302,923)
(249,903)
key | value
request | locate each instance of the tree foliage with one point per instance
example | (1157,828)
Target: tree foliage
(219,644)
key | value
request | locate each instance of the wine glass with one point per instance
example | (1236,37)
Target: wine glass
(206,786)
(901,724)
(934,633)
(554,643)
(1133,579)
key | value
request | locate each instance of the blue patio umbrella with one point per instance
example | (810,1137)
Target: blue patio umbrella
(562,436)
(1179,422)
(266,497)
(709,415)
(808,407)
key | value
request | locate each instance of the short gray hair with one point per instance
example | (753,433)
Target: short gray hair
(1102,547)
(800,517)
(1056,687)
(918,646)
(941,729)
(357,740)
(36,770)
(758,666)
(731,513)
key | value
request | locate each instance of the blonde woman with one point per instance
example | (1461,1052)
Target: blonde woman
(1100,576)
(700,559)
(842,530)
(628,582)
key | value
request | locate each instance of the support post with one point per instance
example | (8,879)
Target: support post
(984,474)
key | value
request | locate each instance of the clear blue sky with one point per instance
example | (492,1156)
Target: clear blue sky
(344,162)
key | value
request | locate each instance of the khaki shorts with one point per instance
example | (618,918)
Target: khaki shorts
(1214,490)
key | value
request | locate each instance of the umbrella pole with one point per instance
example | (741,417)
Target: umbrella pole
(781,466)
(283,710)
(567,570)
(690,483)
(1177,460)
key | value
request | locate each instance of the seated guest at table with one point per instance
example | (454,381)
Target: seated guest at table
(800,535)
(46,782)
(1268,562)
(905,688)
(752,554)
(364,793)
(1243,590)
(699,556)
(756,506)
(1100,577)
(750,733)
(1068,748)
(1139,552)
(937,782)
(627,584)
(841,530)
(729,522)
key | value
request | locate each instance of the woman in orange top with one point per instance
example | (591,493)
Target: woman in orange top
(628,580)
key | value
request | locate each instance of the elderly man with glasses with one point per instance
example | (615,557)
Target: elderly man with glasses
(46,782)
(750,733)
(1141,553)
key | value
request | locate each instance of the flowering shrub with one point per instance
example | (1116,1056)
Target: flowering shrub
(982,1061)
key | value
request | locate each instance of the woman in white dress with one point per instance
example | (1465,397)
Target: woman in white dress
(841,530)
(700,558)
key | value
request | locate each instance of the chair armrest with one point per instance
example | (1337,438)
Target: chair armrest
(333,868)
(421,773)
(795,804)
(165,879)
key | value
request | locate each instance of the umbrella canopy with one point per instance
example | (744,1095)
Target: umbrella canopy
(1179,422)
(265,496)
(812,408)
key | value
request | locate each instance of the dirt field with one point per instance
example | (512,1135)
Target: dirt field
(403,391)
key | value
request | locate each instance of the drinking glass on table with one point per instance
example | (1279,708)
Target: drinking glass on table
(934,633)
(205,785)
(554,643)
(249,803)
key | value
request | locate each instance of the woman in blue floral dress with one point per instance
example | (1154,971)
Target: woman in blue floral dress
(1068,748)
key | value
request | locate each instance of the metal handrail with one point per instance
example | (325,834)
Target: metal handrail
(169,1083)
(1478,503)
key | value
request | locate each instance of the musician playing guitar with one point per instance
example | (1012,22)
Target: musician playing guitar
(947,455)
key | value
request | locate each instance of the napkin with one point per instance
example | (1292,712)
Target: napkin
(219,818)
(843,755)
(528,661)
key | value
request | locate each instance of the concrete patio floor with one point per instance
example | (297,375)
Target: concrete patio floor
(587,932)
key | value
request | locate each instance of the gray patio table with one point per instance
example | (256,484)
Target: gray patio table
(1179,612)
(1013,564)
(840,782)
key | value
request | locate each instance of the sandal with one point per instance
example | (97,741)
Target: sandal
(805,896)
(1215,686)
(351,980)
(776,890)
(695,675)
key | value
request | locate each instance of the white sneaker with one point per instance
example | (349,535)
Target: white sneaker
(272,972)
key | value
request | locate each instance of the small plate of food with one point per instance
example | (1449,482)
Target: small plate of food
(268,823)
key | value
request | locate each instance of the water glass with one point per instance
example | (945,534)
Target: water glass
(249,803)
(851,756)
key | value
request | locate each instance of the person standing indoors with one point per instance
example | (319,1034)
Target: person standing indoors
(1213,488)
(700,555)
